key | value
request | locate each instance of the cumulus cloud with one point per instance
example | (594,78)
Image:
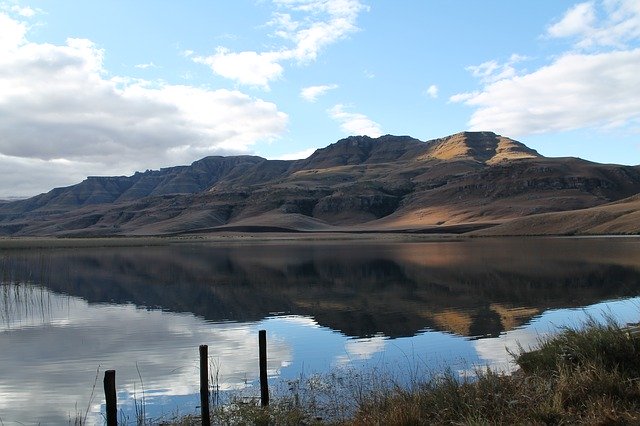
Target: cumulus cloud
(620,25)
(463,97)
(305,153)
(12,33)
(24,11)
(577,20)
(576,89)
(354,123)
(491,71)
(58,102)
(249,68)
(147,65)
(306,27)
(31,176)
(432,91)
(312,93)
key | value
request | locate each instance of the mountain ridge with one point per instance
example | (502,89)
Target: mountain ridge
(357,183)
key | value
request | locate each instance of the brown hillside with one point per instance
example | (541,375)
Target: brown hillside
(622,217)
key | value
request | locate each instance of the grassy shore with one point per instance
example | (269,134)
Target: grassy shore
(587,375)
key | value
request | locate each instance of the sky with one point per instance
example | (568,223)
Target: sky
(113,87)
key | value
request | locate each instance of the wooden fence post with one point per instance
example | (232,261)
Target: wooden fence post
(110,397)
(204,385)
(264,384)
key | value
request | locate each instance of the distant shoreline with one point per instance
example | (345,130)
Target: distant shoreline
(253,237)
(230,237)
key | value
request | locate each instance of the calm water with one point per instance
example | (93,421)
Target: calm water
(66,315)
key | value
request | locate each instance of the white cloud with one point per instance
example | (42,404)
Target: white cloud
(249,68)
(23,11)
(312,93)
(57,101)
(284,24)
(323,22)
(463,97)
(491,71)
(620,25)
(355,123)
(432,91)
(574,91)
(305,153)
(12,33)
(577,20)
(30,176)
(147,65)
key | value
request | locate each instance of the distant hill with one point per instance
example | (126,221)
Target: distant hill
(459,183)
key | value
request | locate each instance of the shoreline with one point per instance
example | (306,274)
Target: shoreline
(7,243)
(231,237)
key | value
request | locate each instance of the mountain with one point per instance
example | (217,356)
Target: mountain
(463,182)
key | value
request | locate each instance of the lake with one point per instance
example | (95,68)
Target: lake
(67,315)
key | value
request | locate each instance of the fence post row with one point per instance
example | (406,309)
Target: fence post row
(110,384)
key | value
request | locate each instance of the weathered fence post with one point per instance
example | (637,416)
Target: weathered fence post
(264,384)
(110,397)
(204,385)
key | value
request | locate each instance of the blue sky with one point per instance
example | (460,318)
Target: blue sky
(108,88)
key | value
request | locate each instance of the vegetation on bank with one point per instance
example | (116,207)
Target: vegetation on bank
(586,375)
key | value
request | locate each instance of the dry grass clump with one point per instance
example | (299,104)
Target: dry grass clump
(308,400)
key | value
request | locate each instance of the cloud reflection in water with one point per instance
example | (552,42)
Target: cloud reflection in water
(75,338)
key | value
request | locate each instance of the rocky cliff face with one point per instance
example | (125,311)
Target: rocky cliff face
(358,150)
(391,182)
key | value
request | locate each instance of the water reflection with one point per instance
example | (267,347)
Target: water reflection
(144,311)
(54,356)
(472,288)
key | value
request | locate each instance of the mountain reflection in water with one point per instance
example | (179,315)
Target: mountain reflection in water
(471,288)
(66,312)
